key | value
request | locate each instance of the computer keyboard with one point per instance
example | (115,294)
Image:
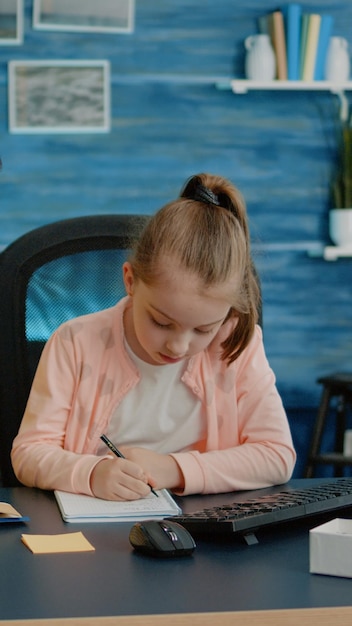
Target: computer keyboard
(282,506)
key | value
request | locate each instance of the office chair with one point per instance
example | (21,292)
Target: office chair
(51,274)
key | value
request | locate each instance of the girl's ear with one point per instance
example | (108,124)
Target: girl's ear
(128,278)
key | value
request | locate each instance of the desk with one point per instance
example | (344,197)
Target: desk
(222,575)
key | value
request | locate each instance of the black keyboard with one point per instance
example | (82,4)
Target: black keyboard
(250,515)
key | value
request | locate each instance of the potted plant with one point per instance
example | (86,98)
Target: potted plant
(340,215)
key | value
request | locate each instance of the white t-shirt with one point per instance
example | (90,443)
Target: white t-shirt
(160,413)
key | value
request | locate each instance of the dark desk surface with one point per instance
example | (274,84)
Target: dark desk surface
(220,576)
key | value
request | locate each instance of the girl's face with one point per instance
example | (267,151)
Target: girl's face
(175,319)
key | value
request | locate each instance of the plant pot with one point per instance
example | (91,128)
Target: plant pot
(340,226)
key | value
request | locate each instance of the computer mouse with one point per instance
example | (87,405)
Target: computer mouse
(161,538)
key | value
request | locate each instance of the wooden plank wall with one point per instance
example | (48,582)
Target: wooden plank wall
(168,122)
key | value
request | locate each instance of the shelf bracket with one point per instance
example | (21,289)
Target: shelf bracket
(344,106)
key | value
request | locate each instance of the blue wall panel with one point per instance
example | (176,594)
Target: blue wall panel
(169,121)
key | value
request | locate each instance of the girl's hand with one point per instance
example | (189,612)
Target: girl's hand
(162,469)
(119,479)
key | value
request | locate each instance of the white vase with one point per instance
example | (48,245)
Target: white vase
(260,63)
(337,65)
(340,226)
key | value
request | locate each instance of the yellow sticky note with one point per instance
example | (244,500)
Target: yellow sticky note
(6,510)
(68,542)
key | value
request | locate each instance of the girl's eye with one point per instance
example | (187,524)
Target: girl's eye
(166,326)
(204,332)
(158,324)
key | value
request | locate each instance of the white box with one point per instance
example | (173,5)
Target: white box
(347,443)
(330,548)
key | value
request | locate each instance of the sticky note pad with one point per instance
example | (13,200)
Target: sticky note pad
(68,542)
(7,510)
(9,514)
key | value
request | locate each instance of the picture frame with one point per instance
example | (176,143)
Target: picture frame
(11,22)
(104,16)
(59,96)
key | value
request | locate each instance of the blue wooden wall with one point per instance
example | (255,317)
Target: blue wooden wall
(170,121)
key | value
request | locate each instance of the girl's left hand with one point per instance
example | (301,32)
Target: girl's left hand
(162,469)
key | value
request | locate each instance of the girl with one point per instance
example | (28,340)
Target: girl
(174,374)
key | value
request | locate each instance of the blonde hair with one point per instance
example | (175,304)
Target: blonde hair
(206,231)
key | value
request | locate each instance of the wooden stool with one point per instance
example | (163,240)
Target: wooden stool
(338,386)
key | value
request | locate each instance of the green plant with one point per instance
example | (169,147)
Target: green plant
(342,183)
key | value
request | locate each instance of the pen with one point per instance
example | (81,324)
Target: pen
(117,452)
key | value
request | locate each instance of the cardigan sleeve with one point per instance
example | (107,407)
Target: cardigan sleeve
(38,455)
(262,453)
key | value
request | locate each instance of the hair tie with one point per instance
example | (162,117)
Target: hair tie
(203,194)
(195,190)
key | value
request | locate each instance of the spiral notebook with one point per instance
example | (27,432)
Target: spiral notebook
(81,508)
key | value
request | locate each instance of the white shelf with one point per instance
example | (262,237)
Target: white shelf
(332,253)
(241,86)
(313,248)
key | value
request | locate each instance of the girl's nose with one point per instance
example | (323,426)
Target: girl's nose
(177,346)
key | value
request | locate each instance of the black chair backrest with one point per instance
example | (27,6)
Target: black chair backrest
(51,274)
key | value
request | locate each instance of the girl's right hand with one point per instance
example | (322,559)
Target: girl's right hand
(119,479)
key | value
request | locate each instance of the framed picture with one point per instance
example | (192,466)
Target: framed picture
(11,22)
(110,16)
(59,96)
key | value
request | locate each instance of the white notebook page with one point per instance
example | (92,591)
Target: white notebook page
(75,507)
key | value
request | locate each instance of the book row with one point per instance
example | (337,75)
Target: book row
(301,41)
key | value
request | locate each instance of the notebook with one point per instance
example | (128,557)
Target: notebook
(81,508)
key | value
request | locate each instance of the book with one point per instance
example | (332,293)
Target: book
(279,43)
(326,25)
(80,508)
(304,32)
(9,514)
(311,46)
(292,16)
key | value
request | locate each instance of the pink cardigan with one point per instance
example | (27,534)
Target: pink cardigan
(83,374)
